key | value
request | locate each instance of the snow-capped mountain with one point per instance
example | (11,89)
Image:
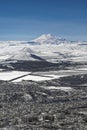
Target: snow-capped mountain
(17,51)
(49,39)
(46,47)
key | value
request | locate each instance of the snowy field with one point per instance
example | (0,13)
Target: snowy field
(8,75)
(18,76)
(38,78)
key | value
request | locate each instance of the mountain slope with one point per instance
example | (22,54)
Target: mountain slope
(18,52)
(46,47)
(49,39)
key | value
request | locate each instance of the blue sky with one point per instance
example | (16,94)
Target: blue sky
(27,19)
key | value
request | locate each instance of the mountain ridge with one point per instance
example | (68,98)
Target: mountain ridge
(46,47)
(49,39)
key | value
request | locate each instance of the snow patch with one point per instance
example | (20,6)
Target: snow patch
(8,75)
(59,88)
(27,97)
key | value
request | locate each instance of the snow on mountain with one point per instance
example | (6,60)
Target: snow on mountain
(17,51)
(49,39)
(47,46)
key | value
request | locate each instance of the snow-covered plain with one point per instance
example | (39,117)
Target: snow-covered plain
(8,75)
(40,76)
(33,78)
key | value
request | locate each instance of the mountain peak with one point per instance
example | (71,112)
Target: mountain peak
(48,39)
(46,36)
